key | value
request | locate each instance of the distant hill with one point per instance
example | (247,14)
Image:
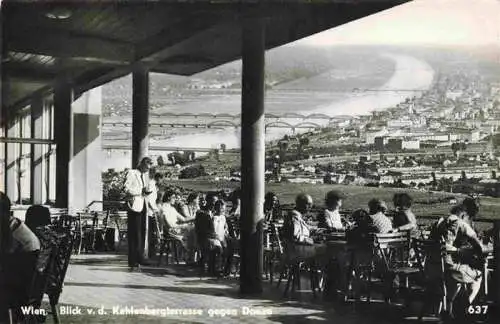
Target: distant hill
(336,68)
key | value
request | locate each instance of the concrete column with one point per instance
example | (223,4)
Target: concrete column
(63,131)
(37,131)
(140,115)
(140,128)
(11,159)
(252,157)
(86,160)
(3,148)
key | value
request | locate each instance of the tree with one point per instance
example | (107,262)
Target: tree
(223,147)
(303,142)
(283,147)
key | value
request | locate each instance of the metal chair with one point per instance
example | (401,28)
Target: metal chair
(394,250)
(430,261)
(170,243)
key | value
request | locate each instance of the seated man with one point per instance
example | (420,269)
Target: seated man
(19,248)
(330,219)
(457,236)
(20,237)
(297,239)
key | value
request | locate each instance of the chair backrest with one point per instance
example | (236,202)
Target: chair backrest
(57,271)
(275,240)
(393,247)
(426,249)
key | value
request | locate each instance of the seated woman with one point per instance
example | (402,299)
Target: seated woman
(463,246)
(235,199)
(330,219)
(189,212)
(172,221)
(37,216)
(404,220)
(378,222)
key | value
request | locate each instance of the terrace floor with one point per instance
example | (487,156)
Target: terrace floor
(102,284)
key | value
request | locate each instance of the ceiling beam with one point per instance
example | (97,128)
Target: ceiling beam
(29,72)
(65,44)
(156,48)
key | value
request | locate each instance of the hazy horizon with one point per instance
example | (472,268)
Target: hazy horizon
(419,22)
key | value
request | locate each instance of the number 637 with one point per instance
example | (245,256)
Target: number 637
(478,309)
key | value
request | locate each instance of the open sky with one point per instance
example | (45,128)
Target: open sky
(420,22)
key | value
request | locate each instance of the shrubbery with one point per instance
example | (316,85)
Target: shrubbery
(193,171)
(113,183)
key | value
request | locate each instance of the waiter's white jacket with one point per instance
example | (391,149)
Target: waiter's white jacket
(134,185)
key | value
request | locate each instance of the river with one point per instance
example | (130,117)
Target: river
(409,74)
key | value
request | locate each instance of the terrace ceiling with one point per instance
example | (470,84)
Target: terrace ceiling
(90,43)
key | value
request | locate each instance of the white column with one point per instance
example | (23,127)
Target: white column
(11,158)
(87,157)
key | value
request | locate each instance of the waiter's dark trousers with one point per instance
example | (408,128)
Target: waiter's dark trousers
(136,228)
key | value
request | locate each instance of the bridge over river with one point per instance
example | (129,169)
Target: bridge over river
(223,120)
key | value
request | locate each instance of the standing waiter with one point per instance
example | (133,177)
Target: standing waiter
(139,190)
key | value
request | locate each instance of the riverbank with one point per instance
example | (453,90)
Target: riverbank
(410,74)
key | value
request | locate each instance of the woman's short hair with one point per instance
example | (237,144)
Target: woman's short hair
(36,216)
(457,210)
(169,194)
(332,198)
(470,206)
(377,205)
(194,196)
(402,200)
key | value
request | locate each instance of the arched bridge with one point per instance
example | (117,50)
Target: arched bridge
(207,120)
(287,115)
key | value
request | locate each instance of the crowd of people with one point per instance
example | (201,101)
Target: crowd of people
(208,232)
